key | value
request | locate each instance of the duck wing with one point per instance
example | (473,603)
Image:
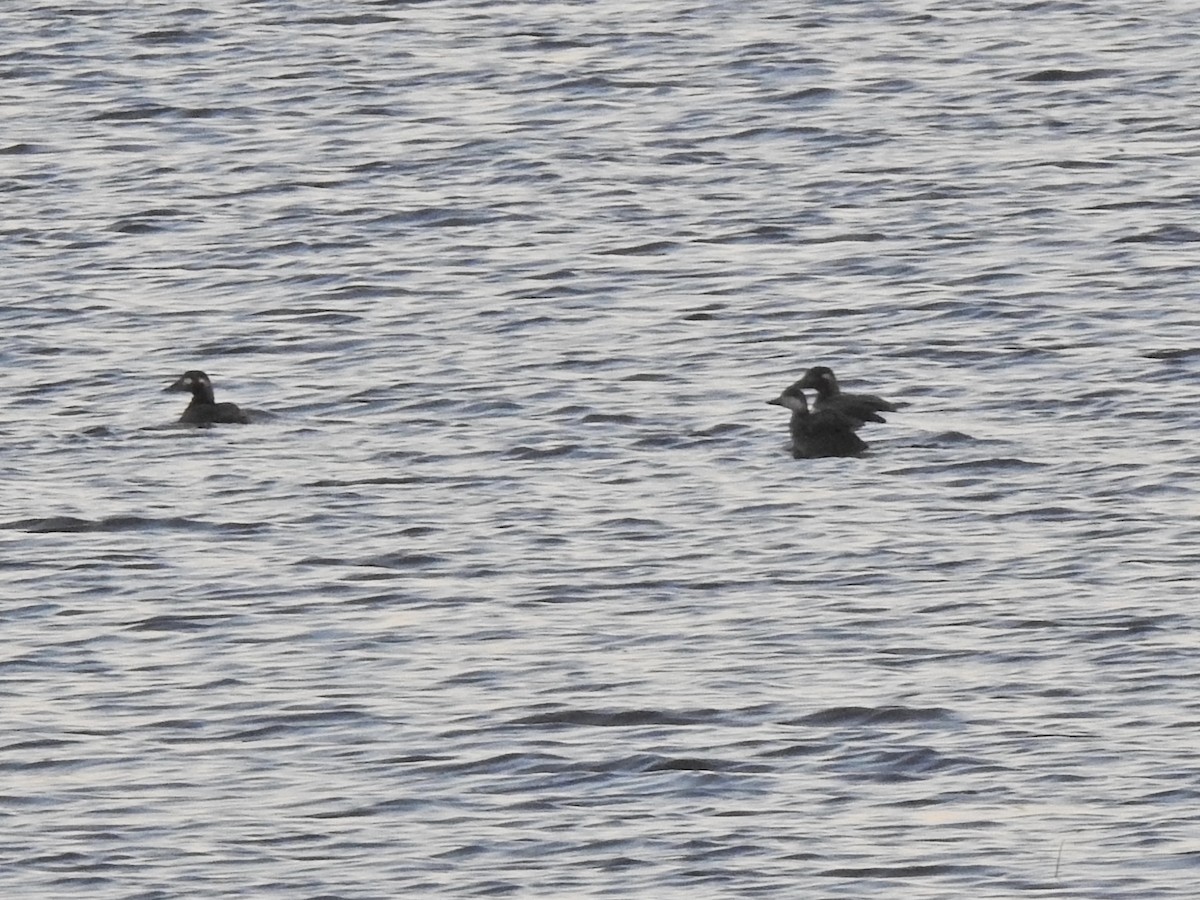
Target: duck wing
(863,407)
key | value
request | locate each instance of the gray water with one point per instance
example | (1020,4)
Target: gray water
(512,588)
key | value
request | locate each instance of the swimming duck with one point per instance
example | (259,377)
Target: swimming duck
(826,432)
(864,407)
(204,410)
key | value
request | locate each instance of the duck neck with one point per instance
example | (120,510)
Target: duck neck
(799,419)
(202,394)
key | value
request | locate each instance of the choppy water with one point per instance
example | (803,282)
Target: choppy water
(512,588)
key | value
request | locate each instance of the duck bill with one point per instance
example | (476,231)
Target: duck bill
(178,387)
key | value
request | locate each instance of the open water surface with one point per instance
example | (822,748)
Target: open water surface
(512,588)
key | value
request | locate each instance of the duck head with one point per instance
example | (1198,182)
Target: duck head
(821,379)
(792,398)
(195,383)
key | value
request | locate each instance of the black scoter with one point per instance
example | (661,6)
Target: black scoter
(864,407)
(204,410)
(826,432)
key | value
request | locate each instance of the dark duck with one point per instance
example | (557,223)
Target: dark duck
(824,432)
(204,410)
(864,407)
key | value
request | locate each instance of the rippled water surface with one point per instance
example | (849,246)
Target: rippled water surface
(511,587)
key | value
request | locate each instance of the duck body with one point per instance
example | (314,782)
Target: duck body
(864,407)
(825,432)
(204,410)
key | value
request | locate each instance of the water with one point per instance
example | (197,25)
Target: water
(512,587)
